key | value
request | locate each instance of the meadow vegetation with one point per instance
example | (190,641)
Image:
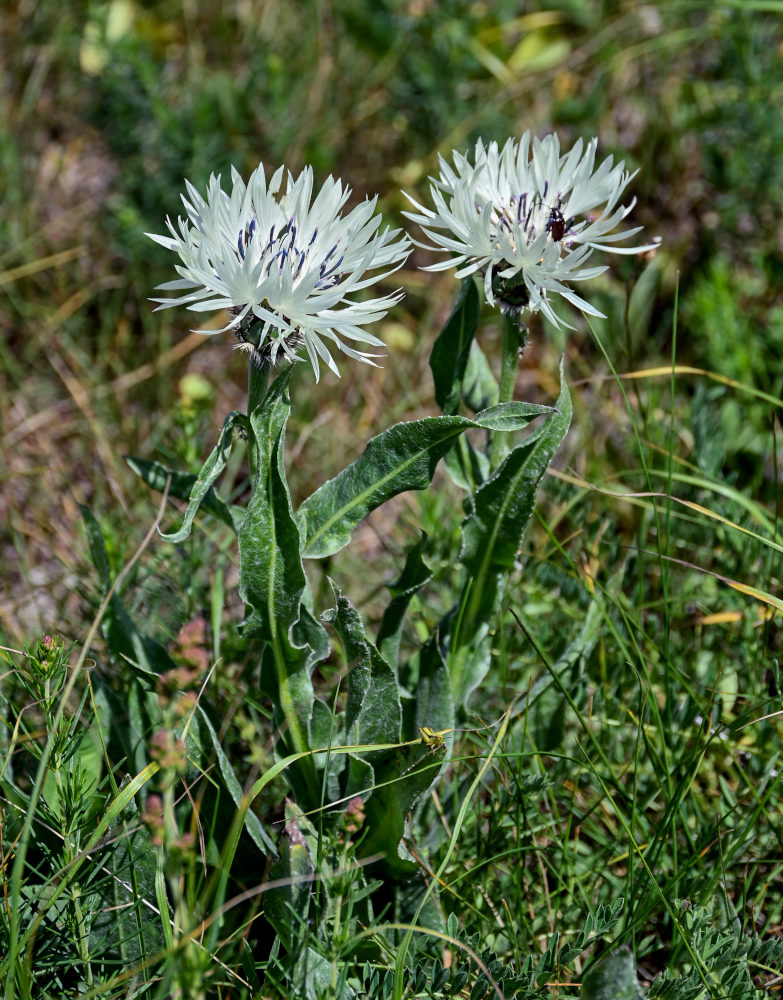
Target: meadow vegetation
(593,808)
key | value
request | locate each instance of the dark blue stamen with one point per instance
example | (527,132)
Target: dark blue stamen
(244,238)
(332,269)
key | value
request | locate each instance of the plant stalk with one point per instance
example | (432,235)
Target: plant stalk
(257,378)
(513,338)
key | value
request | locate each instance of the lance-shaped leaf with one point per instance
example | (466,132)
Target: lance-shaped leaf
(399,459)
(272,581)
(413,577)
(451,350)
(501,508)
(469,647)
(373,713)
(545,703)
(271,575)
(122,930)
(400,783)
(286,678)
(181,486)
(210,471)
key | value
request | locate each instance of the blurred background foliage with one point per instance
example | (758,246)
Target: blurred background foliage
(107,106)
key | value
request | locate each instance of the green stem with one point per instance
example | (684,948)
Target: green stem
(257,378)
(514,335)
(82,937)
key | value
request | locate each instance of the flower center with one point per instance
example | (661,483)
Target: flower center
(532,215)
(282,250)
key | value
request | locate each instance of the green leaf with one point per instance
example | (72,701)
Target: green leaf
(400,783)
(252,823)
(287,904)
(272,584)
(122,929)
(466,465)
(210,471)
(286,678)
(501,508)
(316,978)
(613,978)
(401,458)
(450,352)
(479,386)
(327,730)
(469,655)
(181,486)
(434,704)
(373,713)
(271,577)
(413,577)
(545,702)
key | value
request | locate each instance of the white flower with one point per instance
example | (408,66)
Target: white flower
(529,218)
(284,267)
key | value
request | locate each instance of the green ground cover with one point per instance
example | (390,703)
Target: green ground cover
(608,820)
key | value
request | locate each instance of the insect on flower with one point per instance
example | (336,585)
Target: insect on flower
(527,218)
(556,224)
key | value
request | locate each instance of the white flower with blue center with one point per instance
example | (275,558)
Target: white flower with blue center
(286,269)
(528,218)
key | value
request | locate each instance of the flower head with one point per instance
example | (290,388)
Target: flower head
(284,267)
(529,218)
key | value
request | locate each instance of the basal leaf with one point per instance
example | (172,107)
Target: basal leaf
(545,703)
(404,777)
(287,903)
(614,977)
(399,459)
(122,929)
(373,713)
(469,654)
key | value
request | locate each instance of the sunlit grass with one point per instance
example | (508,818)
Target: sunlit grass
(625,744)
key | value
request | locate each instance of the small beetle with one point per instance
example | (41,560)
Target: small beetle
(556,226)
